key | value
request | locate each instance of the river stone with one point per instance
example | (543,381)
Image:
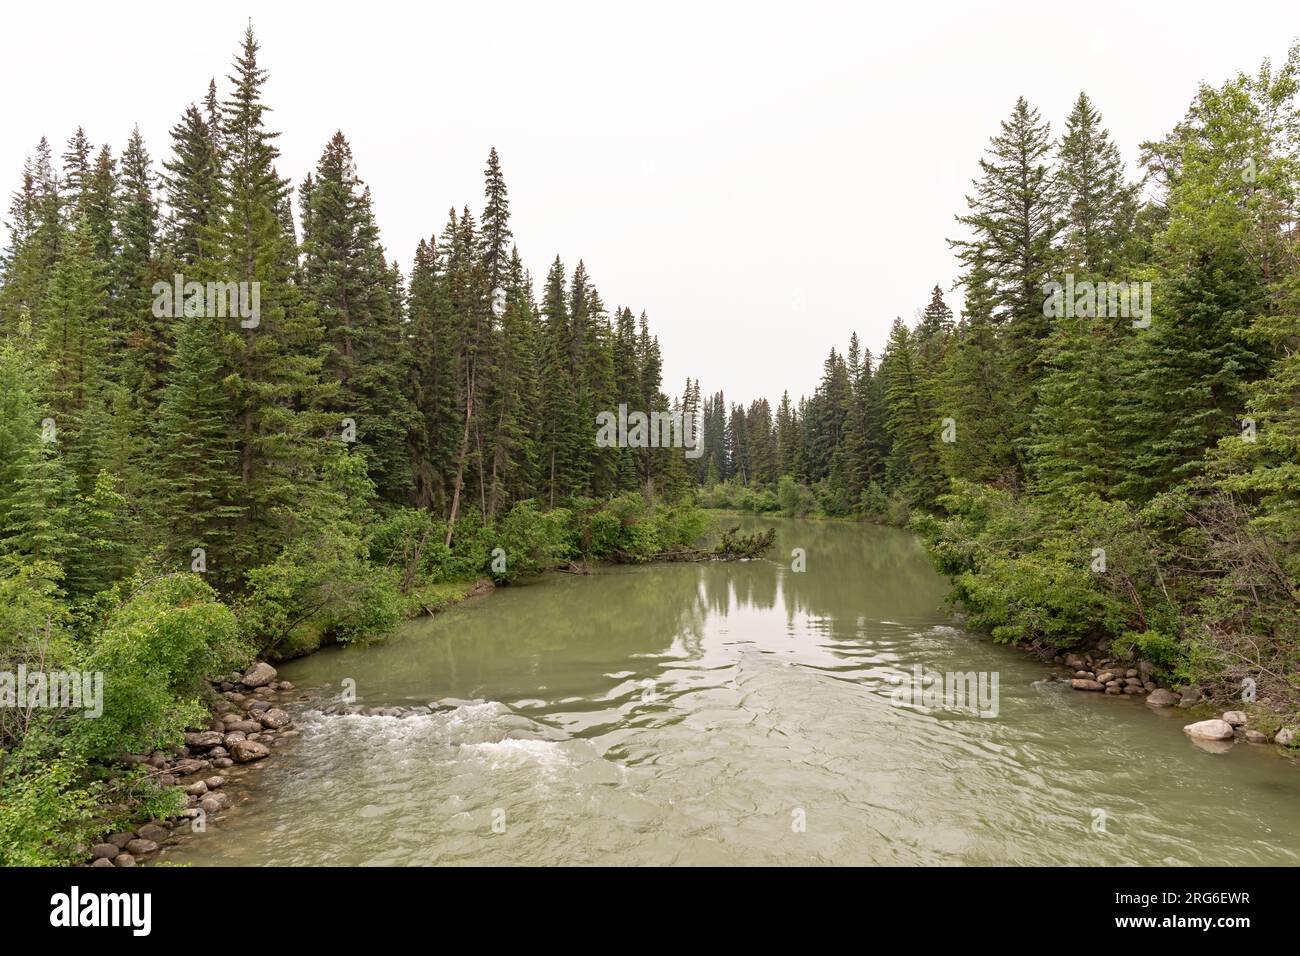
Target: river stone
(1074,661)
(257,706)
(286,685)
(189,765)
(197,789)
(246,751)
(124,859)
(1131,672)
(1284,737)
(1082,683)
(1192,695)
(241,727)
(1085,675)
(1255,737)
(154,832)
(214,803)
(1113,688)
(221,763)
(1235,717)
(141,847)
(120,840)
(275,718)
(258,675)
(102,861)
(1209,730)
(1131,690)
(215,782)
(1132,682)
(105,851)
(202,740)
(1105,677)
(1161,698)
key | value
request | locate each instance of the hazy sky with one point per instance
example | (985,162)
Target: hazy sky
(763,179)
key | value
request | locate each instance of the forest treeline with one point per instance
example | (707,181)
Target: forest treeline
(230,425)
(1084,463)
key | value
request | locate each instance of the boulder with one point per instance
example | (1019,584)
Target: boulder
(1105,677)
(1209,730)
(1161,698)
(1235,717)
(259,675)
(1284,737)
(102,861)
(1191,695)
(246,751)
(241,727)
(202,740)
(1082,683)
(105,851)
(120,840)
(1255,737)
(189,765)
(141,847)
(221,763)
(215,782)
(275,718)
(197,789)
(154,832)
(124,859)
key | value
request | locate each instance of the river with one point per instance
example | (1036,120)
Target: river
(740,713)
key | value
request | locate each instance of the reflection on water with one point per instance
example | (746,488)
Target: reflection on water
(736,713)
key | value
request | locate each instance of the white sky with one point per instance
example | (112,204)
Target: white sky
(762,178)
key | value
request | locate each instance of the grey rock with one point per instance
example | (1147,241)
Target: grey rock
(1082,683)
(139,848)
(1236,718)
(1161,698)
(259,675)
(1209,730)
(246,751)
(105,851)
(124,859)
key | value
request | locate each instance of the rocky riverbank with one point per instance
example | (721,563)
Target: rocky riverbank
(248,719)
(1097,670)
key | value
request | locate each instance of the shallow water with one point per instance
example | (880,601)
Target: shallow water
(740,714)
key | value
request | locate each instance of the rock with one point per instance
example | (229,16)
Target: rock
(215,782)
(216,752)
(241,727)
(124,859)
(1085,675)
(1113,688)
(141,847)
(259,675)
(1145,668)
(1132,682)
(1105,677)
(102,861)
(256,707)
(221,763)
(275,718)
(1209,730)
(1161,698)
(1132,690)
(1255,737)
(202,740)
(1131,672)
(214,803)
(1235,717)
(1082,683)
(1149,684)
(120,840)
(198,789)
(1191,695)
(1284,737)
(105,851)
(286,685)
(246,751)
(1074,661)
(233,738)
(154,832)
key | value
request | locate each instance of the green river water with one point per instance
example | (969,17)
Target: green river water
(738,713)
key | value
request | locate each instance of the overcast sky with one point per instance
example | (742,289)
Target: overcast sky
(762,179)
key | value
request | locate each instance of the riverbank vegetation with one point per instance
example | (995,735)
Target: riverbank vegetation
(1083,472)
(230,426)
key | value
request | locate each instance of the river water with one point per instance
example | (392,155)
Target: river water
(739,713)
